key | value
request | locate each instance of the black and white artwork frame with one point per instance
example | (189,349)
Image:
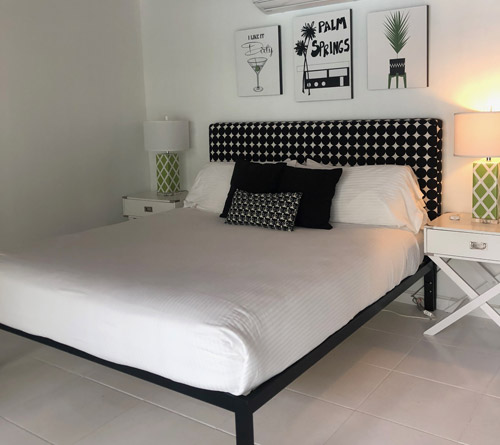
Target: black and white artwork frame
(322,46)
(258,61)
(398,48)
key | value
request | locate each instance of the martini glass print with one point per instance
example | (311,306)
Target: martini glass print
(257,63)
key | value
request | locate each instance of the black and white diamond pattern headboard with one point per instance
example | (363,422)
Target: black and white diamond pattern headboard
(413,142)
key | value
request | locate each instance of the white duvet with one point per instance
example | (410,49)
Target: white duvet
(185,296)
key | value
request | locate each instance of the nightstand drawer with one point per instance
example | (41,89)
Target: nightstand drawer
(136,207)
(467,245)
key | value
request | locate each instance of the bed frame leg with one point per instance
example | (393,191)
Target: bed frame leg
(430,290)
(244,427)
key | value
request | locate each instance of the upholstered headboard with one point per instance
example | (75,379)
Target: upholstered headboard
(413,142)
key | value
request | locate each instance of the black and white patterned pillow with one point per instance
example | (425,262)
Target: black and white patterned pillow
(270,210)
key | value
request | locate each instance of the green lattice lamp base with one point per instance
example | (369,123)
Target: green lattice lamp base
(167,173)
(485,191)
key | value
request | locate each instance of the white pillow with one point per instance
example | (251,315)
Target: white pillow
(313,165)
(212,184)
(288,162)
(383,195)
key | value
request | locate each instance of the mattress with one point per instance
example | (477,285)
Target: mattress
(187,297)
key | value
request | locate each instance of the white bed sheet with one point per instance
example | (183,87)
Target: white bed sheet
(185,296)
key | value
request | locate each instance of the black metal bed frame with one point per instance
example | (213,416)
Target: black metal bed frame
(244,406)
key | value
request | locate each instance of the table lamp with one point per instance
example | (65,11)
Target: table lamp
(167,139)
(478,135)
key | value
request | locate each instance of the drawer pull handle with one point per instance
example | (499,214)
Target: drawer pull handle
(149,209)
(476,245)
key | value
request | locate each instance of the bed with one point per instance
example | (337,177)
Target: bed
(232,345)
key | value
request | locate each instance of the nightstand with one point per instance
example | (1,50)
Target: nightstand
(467,240)
(147,203)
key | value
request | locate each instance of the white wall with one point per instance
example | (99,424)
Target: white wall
(71,112)
(189,69)
(190,72)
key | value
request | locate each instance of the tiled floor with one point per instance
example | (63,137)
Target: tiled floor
(385,385)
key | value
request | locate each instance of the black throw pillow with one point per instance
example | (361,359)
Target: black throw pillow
(318,189)
(254,178)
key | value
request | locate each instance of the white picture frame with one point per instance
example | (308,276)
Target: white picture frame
(398,48)
(322,47)
(258,61)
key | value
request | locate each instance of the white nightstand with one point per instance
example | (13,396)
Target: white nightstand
(464,239)
(142,204)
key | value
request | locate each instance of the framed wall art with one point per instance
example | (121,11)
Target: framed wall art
(258,61)
(397,49)
(323,56)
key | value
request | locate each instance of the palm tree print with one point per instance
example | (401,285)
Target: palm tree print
(301,50)
(308,32)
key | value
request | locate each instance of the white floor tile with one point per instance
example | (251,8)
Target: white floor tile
(484,428)
(295,419)
(26,379)
(390,322)
(362,429)
(65,361)
(12,435)
(13,347)
(466,368)
(494,386)
(146,424)
(375,347)
(342,382)
(70,412)
(123,382)
(428,406)
(476,333)
(195,409)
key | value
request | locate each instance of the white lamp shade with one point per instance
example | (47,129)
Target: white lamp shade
(166,136)
(477,134)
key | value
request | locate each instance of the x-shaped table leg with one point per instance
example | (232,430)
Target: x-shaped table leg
(477,300)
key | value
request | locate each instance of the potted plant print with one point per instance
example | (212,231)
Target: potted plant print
(397,33)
